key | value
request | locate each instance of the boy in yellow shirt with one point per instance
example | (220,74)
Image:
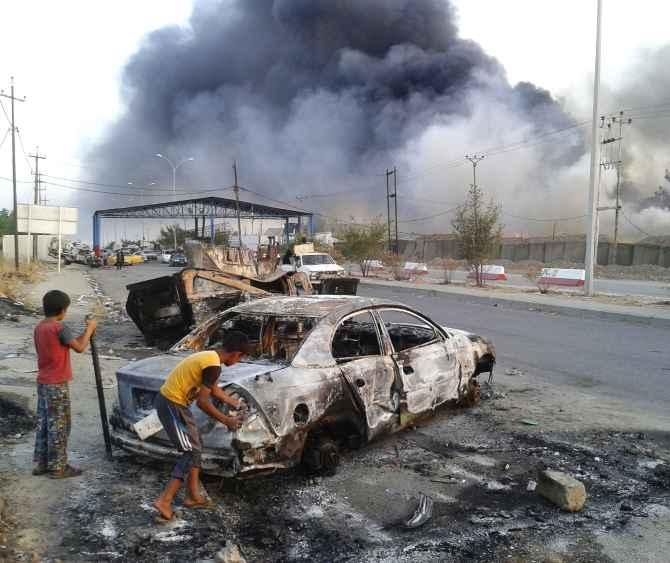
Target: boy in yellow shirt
(194,378)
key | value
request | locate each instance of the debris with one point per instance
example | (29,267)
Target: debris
(562,489)
(422,514)
(230,554)
(529,422)
(531,486)
(514,371)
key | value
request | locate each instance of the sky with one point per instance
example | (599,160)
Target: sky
(67,57)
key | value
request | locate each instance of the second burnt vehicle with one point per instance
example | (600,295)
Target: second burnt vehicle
(326,372)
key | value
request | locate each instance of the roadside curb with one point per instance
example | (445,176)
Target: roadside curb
(647,316)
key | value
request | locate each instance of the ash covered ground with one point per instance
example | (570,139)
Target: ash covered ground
(477,475)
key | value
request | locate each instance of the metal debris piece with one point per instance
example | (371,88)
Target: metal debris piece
(230,554)
(422,514)
(529,422)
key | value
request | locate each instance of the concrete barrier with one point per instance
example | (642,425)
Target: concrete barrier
(490,272)
(561,276)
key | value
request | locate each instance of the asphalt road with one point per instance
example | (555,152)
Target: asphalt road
(622,359)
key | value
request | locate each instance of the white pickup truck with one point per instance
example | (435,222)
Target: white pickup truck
(319,266)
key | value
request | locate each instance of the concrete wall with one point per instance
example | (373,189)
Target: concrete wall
(26,247)
(550,251)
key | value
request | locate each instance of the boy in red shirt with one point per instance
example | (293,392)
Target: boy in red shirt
(53,341)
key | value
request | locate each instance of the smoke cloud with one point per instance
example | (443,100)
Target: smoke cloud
(317,97)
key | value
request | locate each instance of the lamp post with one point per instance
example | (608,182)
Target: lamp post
(174,183)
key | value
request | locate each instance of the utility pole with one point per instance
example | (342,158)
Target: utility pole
(392,196)
(592,212)
(617,163)
(474,159)
(36,196)
(395,200)
(13,98)
(236,189)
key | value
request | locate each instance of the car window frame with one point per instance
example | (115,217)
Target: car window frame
(380,338)
(441,336)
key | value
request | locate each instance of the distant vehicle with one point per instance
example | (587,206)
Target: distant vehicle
(165,256)
(149,255)
(178,260)
(130,259)
(326,275)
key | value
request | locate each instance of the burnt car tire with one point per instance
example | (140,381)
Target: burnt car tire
(472,396)
(321,455)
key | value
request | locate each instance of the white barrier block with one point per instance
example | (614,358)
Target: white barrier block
(416,268)
(562,276)
(491,272)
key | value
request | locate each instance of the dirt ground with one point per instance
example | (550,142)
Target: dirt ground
(478,466)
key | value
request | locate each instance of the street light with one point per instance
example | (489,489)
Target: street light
(174,183)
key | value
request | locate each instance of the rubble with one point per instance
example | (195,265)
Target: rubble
(562,489)
(423,513)
(230,554)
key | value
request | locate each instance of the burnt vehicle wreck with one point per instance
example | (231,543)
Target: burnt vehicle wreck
(325,373)
(165,308)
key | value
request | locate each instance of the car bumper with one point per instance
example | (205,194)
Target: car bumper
(224,464)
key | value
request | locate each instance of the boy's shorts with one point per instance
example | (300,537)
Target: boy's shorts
(179,425)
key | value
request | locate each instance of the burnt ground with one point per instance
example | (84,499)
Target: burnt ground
(478,479)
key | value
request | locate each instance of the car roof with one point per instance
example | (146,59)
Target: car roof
(311,306)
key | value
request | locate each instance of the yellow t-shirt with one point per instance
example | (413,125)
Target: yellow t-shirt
(184,382)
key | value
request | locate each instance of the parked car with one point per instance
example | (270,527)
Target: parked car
(165,256)
(130,259)
(179,260)
(326,372)
(149,255)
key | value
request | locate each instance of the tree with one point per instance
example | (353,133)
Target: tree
(6,222)
(363,244)
(166,237)
(478,230)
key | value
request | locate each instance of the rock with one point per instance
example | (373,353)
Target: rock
(562,489)
(230,554)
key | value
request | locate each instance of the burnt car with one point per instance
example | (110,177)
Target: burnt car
(326,372)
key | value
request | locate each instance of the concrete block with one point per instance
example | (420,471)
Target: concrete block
(563,490)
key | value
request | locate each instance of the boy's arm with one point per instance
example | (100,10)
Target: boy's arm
(79,344)
(204,402)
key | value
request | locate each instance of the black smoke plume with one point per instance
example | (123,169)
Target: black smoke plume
(320,96)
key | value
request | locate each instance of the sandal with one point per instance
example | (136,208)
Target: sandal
(66,473)
(40,470)
(208,504)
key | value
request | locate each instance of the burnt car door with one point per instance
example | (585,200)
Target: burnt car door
(425,358)
(369,373)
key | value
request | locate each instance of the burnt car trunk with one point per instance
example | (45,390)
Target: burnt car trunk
(338,286)
(166,308)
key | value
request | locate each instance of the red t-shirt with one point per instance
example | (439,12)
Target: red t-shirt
(53,353)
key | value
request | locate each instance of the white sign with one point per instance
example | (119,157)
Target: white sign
(46,219)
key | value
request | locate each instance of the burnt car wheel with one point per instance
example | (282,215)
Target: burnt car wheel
(321,455)
(472,395)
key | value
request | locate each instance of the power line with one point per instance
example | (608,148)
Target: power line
(633,224)
(23,150)
(545,220)
(5,137)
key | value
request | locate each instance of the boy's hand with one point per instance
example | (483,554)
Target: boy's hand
(91,324)
(233,423)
